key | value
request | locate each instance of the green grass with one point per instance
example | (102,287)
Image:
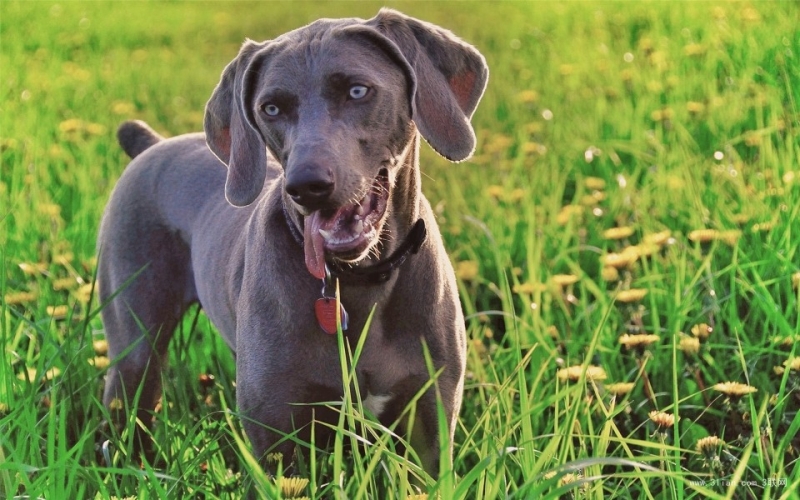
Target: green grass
(687,113)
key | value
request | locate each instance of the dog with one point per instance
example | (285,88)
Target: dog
(306,176)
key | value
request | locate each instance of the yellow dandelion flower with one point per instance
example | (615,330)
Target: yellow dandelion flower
(620,388)
(662,115)
(730,237)
(645,249)
(655,87)
(33,268)
(58,312)
(567,213)
(530,147)
(116,404)
(632,295)
(71,125)
(100,362)
(793,363)
(741,219)
(619,260)
(563,279)
(19,298)
(95,129)
(83,293)
(638,341)
(694,49)
(573,373)
(549,475)
(594,183)
(534,127)
(703,235)
(498,143)
(610,273)
(29,374)
(778,370)
(689,345)
(662,419)
(528,96)
(63,259)
(49,209)
(762,227)
(709,445)
(789,177)
(618,233)
(695,108)
(467,270)
(516,194)
(123,108)
(702,330)
(62,284)
(292,487)
(32,375)
(588,200)
(626,75)
(751,15)
(478,347)
(734,389)
(569,479)
(787,341)
(100,347)
(496,192)
(660,238)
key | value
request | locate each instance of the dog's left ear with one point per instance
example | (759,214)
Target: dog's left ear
(450,75)
(231,132)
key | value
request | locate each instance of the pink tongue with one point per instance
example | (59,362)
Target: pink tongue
(315,252)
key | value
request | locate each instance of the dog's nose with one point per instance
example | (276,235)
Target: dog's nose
(310,186)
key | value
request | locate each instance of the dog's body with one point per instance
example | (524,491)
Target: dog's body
(337,104)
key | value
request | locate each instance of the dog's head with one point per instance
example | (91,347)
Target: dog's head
(338,103)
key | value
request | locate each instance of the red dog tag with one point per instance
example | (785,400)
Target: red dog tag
(325,309)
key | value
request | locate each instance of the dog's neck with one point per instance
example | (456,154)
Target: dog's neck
(404,205)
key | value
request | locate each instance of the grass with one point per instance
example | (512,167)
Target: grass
(667,119)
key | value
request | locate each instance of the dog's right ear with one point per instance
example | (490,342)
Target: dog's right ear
(231,131)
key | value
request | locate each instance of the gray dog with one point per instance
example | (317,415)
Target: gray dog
(307,174)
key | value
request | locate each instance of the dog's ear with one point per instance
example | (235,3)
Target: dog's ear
(450,75)
(230,129)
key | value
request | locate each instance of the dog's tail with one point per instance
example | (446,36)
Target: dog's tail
(135,136)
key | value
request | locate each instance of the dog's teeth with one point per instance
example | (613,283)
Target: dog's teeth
(359,227)
(360,211)
(326,235)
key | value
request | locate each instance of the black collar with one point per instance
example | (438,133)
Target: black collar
(376,273)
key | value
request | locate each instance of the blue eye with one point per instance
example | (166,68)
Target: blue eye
(358,91)
(271,110)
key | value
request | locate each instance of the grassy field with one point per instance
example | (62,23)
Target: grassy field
(626,240)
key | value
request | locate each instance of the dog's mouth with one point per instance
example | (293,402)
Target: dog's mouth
(349,232)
